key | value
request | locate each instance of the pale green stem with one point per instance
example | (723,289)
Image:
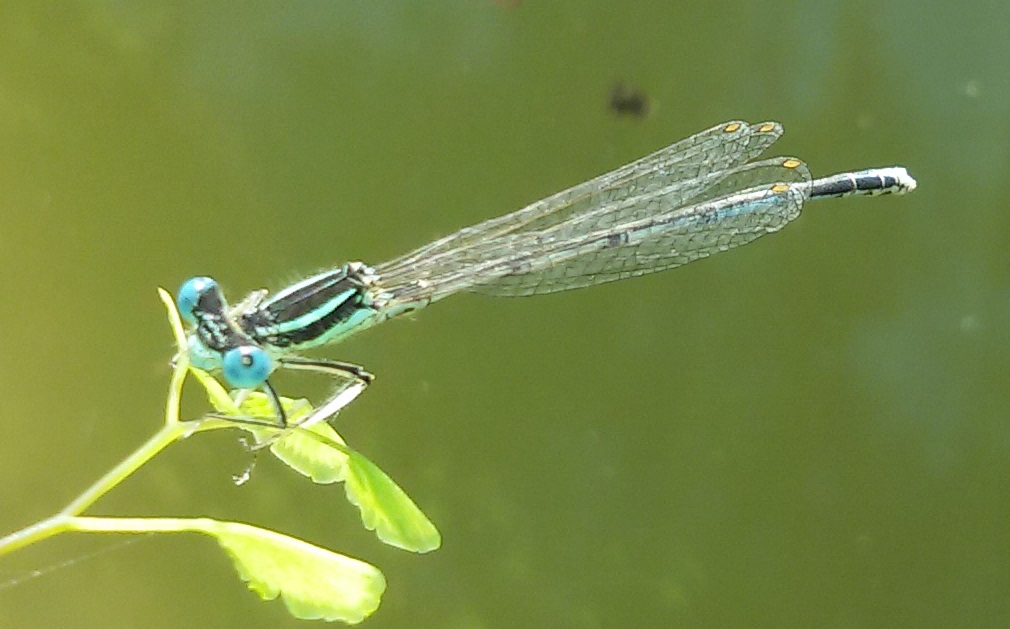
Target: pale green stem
(35,533)
(140,525)
(170,432)
(127,466)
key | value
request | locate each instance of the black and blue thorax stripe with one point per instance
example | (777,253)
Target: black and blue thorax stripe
(321,309)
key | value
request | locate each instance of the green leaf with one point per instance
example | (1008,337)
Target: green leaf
(315,583)
(313,457)
(216,394)
(321,454)
(315,451)
(386,509)
(258,404)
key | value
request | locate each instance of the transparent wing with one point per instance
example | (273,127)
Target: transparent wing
(636,232)
(765,198)
(684,171)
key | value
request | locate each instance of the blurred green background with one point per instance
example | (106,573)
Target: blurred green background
(807,432)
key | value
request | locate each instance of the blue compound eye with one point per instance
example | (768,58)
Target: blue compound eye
(189,295)
(246,367)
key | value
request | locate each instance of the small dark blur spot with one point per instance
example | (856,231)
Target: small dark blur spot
(626,100)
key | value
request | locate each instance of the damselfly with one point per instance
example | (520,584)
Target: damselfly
(682,203)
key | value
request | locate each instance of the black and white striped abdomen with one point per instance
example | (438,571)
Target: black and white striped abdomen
(871,182)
